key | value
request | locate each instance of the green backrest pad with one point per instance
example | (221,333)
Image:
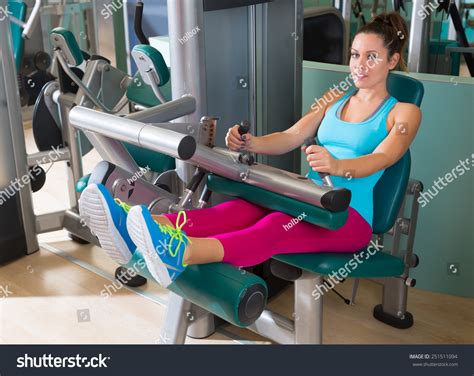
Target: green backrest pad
(218,287)
(71,43)
(156,161)
(393,182)
(157,60)
(277,202)
(17,10)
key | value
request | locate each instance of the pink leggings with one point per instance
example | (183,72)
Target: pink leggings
(251,234)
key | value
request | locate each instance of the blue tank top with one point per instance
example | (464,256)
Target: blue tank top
(345,140)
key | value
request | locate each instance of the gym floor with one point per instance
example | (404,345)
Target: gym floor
(57,296)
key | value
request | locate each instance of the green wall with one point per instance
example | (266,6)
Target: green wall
(445,225)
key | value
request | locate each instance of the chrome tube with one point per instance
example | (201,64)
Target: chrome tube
(148,136)
(166,112)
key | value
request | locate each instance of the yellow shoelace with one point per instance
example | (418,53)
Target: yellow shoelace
(176,234)
(123,205)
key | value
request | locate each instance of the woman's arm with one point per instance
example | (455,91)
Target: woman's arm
(404,124)
(281,142)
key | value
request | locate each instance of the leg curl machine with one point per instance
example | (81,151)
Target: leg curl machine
(240,297)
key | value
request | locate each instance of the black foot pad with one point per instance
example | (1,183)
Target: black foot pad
(396,322)
(122,275)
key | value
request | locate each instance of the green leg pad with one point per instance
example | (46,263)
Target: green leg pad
(232,294)
(156,161)
(271,200)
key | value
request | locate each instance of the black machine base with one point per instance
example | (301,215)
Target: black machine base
(396,322)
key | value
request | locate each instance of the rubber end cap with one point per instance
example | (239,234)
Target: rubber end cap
(336,200)
(187,148)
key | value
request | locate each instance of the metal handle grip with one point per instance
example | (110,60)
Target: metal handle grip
(325,177)
(138,24)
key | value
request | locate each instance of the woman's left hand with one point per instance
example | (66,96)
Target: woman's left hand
(320,160)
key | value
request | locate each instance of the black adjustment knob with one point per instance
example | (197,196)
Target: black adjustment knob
(244,127)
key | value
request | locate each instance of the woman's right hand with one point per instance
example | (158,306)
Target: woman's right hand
(232,139)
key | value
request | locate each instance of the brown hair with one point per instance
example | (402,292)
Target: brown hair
(391,27)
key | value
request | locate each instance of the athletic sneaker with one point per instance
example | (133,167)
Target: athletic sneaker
(107,219)
(163,246)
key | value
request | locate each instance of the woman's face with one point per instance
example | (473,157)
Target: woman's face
(370,63)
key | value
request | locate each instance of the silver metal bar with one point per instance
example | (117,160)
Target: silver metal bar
(71,139)
(418,46)
(274,327)
(308,310)
(355,287)
(32,20)
(345,7)
(202,324)
(216,160)
(148,136)
(225,163)
(166,112)
(50,222)
(45,157)
(188,75)
(113,151)
(252,35)
(176,322)
(73,223)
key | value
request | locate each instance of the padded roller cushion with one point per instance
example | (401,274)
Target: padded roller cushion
(71,42)
(271,200)
(218,288)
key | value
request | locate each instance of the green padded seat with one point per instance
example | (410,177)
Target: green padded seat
(379,264)
(277,202)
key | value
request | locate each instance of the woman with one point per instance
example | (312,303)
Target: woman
(360,133)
